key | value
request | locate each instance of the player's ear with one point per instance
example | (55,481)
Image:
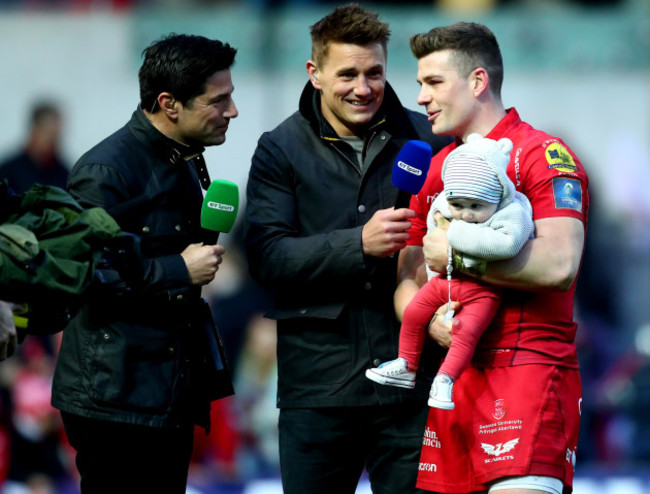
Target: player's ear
(479,80)
(312,71)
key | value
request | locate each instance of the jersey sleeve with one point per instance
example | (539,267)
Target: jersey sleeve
(419,223)
(553,179)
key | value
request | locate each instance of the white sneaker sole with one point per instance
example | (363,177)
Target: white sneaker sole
(445,405)
(389,381)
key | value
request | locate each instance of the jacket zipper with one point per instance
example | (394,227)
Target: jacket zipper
(365,147)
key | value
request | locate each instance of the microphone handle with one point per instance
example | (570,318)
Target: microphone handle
(403,199)
(210,237)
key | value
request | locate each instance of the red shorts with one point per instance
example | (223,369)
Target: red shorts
(521,420)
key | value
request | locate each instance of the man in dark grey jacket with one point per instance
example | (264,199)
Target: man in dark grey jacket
(322,232)
(134,374)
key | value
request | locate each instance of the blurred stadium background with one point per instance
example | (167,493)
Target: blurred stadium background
(578,69)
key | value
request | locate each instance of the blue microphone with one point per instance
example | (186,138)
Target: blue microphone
(410,170)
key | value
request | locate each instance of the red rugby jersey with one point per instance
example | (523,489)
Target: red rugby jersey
(530,327)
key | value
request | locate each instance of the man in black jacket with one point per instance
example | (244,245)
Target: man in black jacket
(322,232)
(134,374)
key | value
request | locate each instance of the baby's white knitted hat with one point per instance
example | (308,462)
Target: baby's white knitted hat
(473,169)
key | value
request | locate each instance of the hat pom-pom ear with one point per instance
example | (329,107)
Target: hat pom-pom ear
(505,145)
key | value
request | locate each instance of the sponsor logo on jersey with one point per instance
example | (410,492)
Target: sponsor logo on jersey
(432,198)
(517,167)
(571,457)
(558,158)
(500,448)
(431,439)
(428,467)
(500,426)
(567,193)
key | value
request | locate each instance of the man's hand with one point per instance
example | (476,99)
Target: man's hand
(435,245)
(386,232)
(8,338)
(439,330)
(202,262)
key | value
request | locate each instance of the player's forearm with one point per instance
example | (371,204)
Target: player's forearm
(410,277)
(548,262)
(405,292)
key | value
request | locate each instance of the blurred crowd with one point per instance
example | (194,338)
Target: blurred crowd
(120,5)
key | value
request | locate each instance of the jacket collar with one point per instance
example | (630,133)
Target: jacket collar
(391,115)
(165,147)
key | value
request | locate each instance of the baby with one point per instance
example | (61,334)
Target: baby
(490,220)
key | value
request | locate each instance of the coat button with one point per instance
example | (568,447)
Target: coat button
(178,228)
(179,298)
(367,285)
(361,208)
(303,310)
(376,362)
(106,336)
(146,229)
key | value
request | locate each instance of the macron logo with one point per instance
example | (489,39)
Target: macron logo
(221,207)
(409,169)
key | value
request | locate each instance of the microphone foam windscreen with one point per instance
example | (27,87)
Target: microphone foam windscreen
(411,166)
(220,205)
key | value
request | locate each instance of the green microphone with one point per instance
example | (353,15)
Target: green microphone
(220,205)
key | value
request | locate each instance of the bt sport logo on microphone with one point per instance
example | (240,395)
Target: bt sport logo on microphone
(220,206)
(409,169)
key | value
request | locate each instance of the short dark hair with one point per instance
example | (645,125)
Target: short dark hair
(180,64)
(347,24)
(472,45)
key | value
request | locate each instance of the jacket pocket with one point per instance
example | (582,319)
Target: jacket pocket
(314,351)
(133,368)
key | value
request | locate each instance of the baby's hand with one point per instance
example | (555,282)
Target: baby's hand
(441,221)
